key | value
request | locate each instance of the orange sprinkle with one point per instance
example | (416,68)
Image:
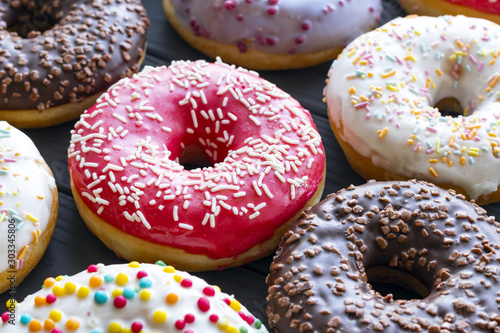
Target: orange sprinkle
(391,73)
(40,301)
(472,134)
(433,160)
(493,61)
(450,163)
(443,159)
(35,325)
(35,237)
(382,133)
(49,282)
(95,281)
(364,98)
(352,90)
(459,43)
(494,81)
(492,134)
(49,324)
(462,160)
(370,74)
(451,141)
(22,252)
(40,197)
(356,60)
(72,324)
(438,71)
(433,172)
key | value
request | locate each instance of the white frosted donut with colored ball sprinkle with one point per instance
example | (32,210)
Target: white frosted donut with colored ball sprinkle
(265,165)
(130,298)
(381,95)
(272,34)
(28,206)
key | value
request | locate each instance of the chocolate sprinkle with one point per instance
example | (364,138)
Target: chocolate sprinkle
(450,245)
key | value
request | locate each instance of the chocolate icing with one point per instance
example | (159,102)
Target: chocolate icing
(318,283)
(91,45)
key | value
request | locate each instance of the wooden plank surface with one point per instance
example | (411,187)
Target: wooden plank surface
(74,247)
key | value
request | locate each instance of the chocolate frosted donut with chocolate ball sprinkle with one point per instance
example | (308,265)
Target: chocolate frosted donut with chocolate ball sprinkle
(58,56)
(413,234)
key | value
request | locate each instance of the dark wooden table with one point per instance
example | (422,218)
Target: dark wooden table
(73,247)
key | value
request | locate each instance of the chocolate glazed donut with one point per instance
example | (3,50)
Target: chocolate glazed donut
(56,53)
(448,247)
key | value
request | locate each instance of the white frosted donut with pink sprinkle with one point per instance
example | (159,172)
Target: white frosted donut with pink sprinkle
(130,298)
(272,34)
(382,93)
(265,165)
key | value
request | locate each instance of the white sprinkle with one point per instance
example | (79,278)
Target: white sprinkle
(239,194)
(166,129)
(195,120)
(128,216)
(255,120)
(254,215)
(232,116)
(292,191)
(279,176)
(212,221)
(143,220)
(260,206)
(186,204)
(124,133)
(186,226)
(205,219)
(120,118)
(256,188)
(176,214)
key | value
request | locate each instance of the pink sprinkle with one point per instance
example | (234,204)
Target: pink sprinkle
(242,47)
(272,10)
(213,318)
(272,40)
(189,318)
(5,316)
(186,283)
(141,274)
(10,160)
(120,302)
(209,291)
(180,324)
(92,269)
(306,25)
(430,151)
(51,298)
(431,129)
(300,39)
(480,67)
(473,59)
(230,4)
(136,326)
(204,304)
(415,149)
(239,17)
(360,105)
(272,2)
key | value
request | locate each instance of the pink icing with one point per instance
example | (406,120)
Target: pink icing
(486,6)
(261,144)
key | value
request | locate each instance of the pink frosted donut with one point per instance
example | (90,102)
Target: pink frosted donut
(265,155)
(272,34)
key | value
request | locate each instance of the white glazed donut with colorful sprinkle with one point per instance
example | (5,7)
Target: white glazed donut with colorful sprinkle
(272,34)
(28,206)
(130,298)
(265,165)
(382,91)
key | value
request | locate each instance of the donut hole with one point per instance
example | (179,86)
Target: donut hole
(449,106)
(193,157)
(390,282)
(29,22)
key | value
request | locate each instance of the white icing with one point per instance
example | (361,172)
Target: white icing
(454,57)
(332,23)
(26,189)
(94,317)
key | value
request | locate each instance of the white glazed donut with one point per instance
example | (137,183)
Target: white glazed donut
(130,298)
(381,94)
(272,34)
(28,206)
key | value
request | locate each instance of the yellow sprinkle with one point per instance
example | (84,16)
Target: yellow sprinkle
(352,90)
(31,217)
(134,264)
(382,133)
(473,153)
(2,217)
(391,88)
(438,146)
(391,73)
(169,269)
(461,53)
(414,77)
(433,172)
(363,62)
(364,98)
(83,291)
(410,56)
(351,53)
(22,252)
(55,315)
(481,97)
(417,33)
(410,141)
(40,197)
